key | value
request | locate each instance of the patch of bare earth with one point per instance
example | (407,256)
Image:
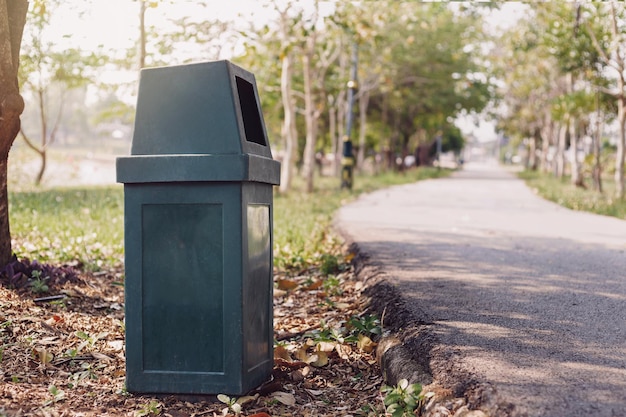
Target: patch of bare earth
(62,353)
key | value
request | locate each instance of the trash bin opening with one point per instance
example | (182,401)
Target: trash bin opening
(250,113)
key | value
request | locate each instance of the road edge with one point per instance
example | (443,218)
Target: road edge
(409,349)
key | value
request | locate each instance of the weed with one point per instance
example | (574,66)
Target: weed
(327,333)
(87,371)
(329,264)
(332,285)
(233,404)
(153,408)
(403,399)
(37,283)
(367,325)
(57,395)
(88,340)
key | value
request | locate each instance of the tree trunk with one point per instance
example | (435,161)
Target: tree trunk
(363,104)
(290,134)
(532,154)
(619,157)
(12,21)
(332,128)
(597,153)
(560,153)
(341,114)
(142,34)
(576,178)
(310,118)
(547,134)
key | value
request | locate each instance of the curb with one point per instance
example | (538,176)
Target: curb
(409,349)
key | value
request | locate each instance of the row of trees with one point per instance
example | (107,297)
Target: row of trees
(563,71)
(558,76)
(417,71)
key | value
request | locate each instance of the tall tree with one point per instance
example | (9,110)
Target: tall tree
(12,21)
(608,40)
(45,68)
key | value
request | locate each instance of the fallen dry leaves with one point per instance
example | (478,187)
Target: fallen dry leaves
(64,355)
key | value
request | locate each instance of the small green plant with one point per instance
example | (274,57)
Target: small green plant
(367,325)
(57,395)
(403,399)
(59,304)
(329,264)
(332,285)
(38,284)
(233,404)
(153,408)
(327,333)
(88,340)
(87,371)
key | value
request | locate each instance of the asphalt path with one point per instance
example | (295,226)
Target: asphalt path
(530,296)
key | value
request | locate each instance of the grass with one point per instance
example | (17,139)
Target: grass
(302,221)
(86,225)
(68,225)
(562,192)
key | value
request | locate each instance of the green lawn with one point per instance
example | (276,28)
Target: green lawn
(87,224)
(576,198)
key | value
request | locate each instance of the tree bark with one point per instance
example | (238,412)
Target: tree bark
(290,134)
(560,153)
(547,133)
(12,21)
(310,117)
(363,104)
(142,34)
(576,177)
(621,144)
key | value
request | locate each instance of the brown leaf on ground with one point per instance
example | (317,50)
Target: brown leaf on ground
(65,356)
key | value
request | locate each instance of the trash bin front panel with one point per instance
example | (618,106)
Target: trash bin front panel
(182,303)
(183,297)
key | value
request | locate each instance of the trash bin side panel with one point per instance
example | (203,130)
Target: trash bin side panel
(182,289)
(187,109)
(258,282)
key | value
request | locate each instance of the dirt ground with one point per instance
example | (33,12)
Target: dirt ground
(62,352)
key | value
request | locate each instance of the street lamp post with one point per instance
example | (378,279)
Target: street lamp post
(347,160)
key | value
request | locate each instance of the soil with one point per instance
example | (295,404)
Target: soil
(62,352)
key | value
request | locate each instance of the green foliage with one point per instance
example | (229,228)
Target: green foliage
(152,408)
(329,264)
(327,333)
(38,284)
(332,285)
(403,399)
(57,395)
(367,325)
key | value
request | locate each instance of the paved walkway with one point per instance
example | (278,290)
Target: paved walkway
(529,296)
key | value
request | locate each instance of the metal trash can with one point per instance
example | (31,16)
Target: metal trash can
(198,200)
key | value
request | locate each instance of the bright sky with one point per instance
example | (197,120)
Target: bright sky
(115,23)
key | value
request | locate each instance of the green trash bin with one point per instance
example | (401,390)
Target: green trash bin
(198,200)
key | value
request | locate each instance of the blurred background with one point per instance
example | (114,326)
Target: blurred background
(433,83)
